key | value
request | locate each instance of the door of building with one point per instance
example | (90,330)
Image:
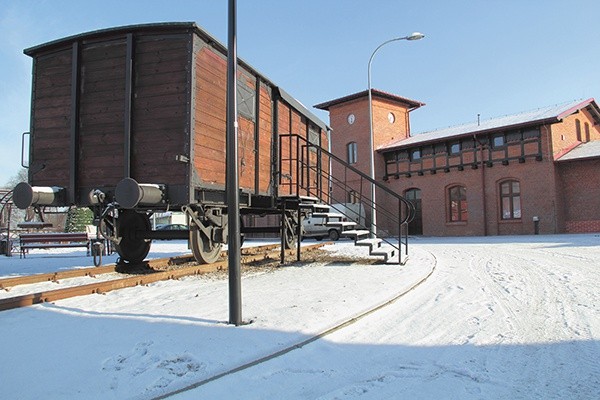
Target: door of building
(415,227)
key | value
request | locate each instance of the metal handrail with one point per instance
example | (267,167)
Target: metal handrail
(298,181)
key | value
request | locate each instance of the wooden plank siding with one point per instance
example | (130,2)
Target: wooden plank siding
(265,140)
(210,127)
(101,112)
(160,121)
(51,121)
(149,102)
(210,118)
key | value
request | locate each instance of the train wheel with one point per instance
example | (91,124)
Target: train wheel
(132,249)
(290,227)
(290,239)
(205,252)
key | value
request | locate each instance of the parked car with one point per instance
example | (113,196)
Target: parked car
(315,227)
(171,227)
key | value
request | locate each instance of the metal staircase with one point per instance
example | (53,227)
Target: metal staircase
(324,182)
(351,230)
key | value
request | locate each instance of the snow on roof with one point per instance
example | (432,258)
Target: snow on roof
(549,114)
(413,104)
(583,151)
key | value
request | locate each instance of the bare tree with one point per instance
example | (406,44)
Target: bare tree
(9,210)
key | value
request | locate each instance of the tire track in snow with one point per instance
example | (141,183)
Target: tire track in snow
(348,322)
(536,298)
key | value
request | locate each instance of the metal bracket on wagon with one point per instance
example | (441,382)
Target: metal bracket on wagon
(130,194)
(211,222)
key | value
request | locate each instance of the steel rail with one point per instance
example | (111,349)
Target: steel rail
(7,283)
(137,280)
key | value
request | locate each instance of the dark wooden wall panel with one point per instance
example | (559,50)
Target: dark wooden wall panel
(160,129)
(51,119)
(101,112)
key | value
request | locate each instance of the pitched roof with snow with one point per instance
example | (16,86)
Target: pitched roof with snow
(546,115)
(412,104)
(582,152)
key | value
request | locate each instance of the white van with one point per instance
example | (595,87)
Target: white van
(316,227)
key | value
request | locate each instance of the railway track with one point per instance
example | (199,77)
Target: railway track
(148,272)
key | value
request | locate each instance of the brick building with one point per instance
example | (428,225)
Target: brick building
(526,173)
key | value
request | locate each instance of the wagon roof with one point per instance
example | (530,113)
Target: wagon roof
(174,26)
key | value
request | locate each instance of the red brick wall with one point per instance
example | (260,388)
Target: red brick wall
(580,189)
(551,192)
(384,131)
(564,134)
(537,184)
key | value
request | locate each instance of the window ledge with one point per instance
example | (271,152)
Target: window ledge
(457,223)
(511,221)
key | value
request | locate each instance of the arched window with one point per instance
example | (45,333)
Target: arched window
(353,197)
(457,204)
(587,131)
(352,152)
(510,199)
(578,129)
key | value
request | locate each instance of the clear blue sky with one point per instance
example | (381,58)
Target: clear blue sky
(488,57)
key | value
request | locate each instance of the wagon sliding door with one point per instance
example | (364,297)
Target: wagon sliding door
(133,112)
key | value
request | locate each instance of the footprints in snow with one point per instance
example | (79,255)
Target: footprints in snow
(145,361)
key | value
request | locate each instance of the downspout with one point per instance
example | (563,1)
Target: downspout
(329,167)
(484,205)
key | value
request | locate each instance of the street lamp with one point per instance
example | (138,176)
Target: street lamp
(413,36)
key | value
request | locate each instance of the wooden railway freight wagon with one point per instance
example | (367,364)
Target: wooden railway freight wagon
(132,120)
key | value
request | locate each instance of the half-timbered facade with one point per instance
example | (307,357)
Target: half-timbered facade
(532,172)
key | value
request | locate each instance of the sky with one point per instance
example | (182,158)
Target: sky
(492,57)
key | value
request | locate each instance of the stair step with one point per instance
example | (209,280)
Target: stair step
(319,208)
(369,242)
(356,233)
(305,199)
(385,252)
(327,215)
(341,224)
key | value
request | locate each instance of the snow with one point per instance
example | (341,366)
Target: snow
(511,317)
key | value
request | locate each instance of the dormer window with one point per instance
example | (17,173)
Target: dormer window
(415,155)
(498,141)
(455,148)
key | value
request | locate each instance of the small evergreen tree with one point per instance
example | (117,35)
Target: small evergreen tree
(78,218)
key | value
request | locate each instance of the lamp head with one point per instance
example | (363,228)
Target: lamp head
(415,36)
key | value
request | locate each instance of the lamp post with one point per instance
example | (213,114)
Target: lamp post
(413,36)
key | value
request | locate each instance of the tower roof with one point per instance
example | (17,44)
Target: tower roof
(412,104)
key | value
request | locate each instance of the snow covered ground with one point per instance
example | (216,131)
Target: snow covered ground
(499,318)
